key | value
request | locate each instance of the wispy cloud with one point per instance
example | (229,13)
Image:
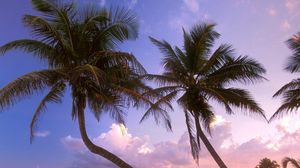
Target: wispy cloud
(285,25)
(271,11)
(42,133)
(292,5)
(189,13)
(193,5)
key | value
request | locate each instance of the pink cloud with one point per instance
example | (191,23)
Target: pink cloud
(285,25)
(292,5)
(271,11)
(193,5)
(176,154)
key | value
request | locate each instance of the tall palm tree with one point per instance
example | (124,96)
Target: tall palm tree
(294,162)
(267,163)
(196,75)
(80,49)
(290,91)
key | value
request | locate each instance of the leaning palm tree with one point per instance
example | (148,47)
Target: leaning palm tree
(295,163)
(196,75)
(267,163)
(80,49)
(290,91)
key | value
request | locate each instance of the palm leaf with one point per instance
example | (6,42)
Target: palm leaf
(27,85)
(217,59)
(195,147)
(54,96)
(293,162)
(293,64)
(164,101)
(241,69)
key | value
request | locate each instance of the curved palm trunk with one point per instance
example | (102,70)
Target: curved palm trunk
(209,147)
(96,149)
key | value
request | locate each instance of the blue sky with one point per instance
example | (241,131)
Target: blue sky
(254,27)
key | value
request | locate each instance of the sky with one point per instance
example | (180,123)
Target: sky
(254,27)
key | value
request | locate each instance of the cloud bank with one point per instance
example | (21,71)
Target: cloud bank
(139,151)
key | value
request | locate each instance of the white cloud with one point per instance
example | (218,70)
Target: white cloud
(285,25)
(219,120)
(42,133)
(193,5)
(135,150)
(73,143)
(140,152)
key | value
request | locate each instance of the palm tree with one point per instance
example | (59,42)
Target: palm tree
(196,75)
(290,91)
(79,47)
(287,160)
(267,163)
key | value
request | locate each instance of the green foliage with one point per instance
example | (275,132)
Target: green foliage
(79,47)
(196,75)
(290,91)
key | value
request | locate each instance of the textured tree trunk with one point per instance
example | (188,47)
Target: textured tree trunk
(94,148)
(209,147)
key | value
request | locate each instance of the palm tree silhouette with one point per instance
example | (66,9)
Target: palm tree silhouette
(197,75)
(267,163)
(79,47)
(287,160)
(290,91)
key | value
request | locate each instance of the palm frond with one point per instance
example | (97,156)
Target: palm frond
(58,12)
(161,80)
(291,98)
(124,59)
(119,26)
(43,30)
(206,117)
(106,102)
(127,24)
(293,162)
(217,59)
(286,108)
(241,69)
(90,72)
(27,85)
(215,95)
(131,96)
(171,61)
(160,115)
(54,96)
(43,5)
(159,109)
(293,64)
(238,98)
(161,91)
(164,101)
(39,49)
(294,84)
(201,39)
(195,147)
